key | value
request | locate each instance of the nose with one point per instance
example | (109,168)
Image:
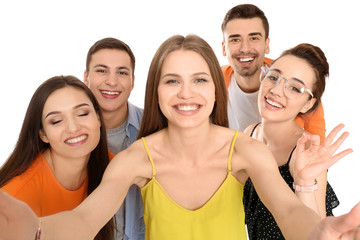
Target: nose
(185,91)
(72,125)
(111,80)
(278,88)
(244,46)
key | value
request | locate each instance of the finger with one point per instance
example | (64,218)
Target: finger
(300,146)
(330,162)
(340,155)
(331,136)
(315,140)
(349,221)
(339,141)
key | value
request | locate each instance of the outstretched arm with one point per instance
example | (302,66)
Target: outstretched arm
(18,221)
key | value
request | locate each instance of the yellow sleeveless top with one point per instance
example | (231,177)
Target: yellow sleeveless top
(222,217)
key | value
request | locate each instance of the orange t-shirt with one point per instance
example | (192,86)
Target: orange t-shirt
(39,188)
(313,122)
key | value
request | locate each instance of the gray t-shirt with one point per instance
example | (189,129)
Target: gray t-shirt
(117,141)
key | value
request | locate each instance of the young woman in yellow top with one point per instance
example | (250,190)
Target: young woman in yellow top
(192,163)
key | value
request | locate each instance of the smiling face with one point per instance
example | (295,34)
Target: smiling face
(110,78)
(71,125)
(186,89)
(245,45)
(273,104)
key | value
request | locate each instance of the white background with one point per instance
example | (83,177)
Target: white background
(41,39)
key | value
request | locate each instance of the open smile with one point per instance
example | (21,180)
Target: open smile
(76,139)
(273,103)
(191,107)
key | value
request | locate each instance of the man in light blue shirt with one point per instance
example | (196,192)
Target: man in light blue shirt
(109,73)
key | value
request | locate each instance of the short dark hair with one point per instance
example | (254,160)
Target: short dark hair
(110,43)
(246,11)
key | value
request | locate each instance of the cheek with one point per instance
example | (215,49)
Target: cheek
(263,90)
(52,137)
(162,105)
(211,96)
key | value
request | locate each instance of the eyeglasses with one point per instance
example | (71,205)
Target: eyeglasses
(292,88)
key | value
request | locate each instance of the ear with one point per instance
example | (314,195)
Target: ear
(86,78)
(223,48)
(267,46)
(308,105)
(43,136)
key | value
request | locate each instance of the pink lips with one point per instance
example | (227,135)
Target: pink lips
(271,103)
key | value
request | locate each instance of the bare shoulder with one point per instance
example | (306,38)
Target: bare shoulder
(249,153)
(132,164)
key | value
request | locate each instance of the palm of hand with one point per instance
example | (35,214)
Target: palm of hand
(311,162)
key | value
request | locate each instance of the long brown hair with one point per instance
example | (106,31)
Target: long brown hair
(30,145)
(153,120)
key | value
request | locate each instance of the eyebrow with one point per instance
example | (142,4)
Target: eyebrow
(296,79)
(75,107)
(104,66)
(250,34)
(177,75)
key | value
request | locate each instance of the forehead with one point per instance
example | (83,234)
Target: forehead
(184,62)
(111,57)
(294,67)
(65,98)
(244,26)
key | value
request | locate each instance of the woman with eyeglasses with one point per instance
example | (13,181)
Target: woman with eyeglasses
(291,87)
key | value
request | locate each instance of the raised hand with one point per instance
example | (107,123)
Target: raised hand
(17,220)
(312,161)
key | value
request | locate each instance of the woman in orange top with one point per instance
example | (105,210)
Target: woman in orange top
(61,153)
(189,160)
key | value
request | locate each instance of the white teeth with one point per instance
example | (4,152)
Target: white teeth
(75,140)
(273,103)
(187,107)
(110,93)
(249,59)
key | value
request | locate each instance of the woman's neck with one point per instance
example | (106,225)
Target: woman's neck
(280,137)
(279,133)
(188,142)
(70,173)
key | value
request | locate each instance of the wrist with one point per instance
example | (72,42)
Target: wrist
(306,188)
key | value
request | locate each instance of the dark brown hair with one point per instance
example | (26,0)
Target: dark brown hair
(110,43)
(153,120)
(246,11)
(316,58)
(30,145)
